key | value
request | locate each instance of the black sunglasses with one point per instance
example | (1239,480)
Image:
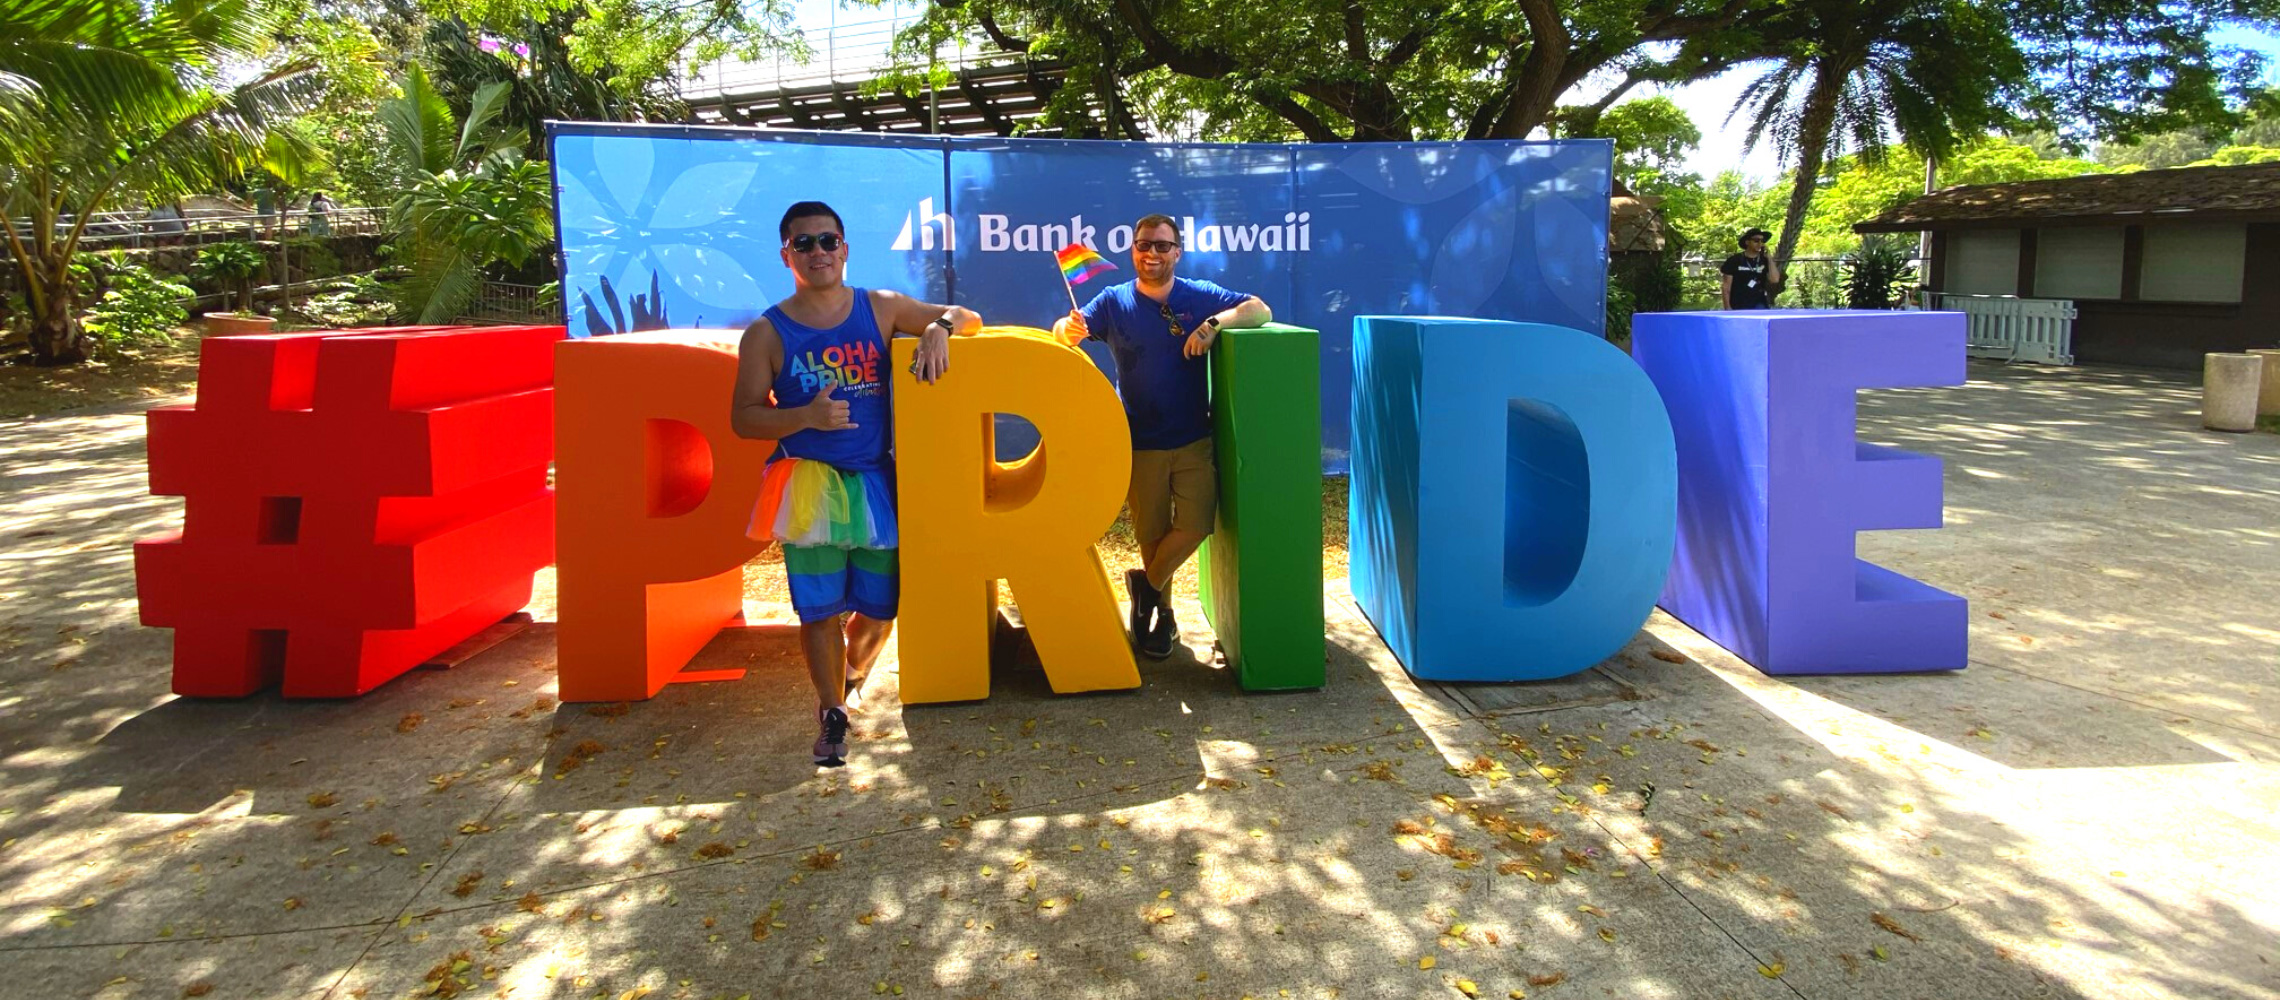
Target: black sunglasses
(1158,246)
(804,242)
(1165,309)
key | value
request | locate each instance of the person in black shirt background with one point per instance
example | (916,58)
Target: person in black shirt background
(1749,280)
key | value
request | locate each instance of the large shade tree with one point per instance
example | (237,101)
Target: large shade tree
(104,100)
(1856,75)
(1346,70)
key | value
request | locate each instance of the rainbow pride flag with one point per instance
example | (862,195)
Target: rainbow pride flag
(1079,263)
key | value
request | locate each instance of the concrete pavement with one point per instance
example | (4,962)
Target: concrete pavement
(2088,811)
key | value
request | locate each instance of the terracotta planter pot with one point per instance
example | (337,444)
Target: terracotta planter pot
(221,325)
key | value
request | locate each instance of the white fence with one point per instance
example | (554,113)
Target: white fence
(2012,328)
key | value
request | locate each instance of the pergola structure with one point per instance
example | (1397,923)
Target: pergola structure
(1000,99)
(990,92)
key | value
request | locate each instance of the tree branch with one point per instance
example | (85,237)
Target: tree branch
(1670,27)
(1404,50)
(998,36)
(1602,104)
(1357,38)
(1309,124)
(1534,81)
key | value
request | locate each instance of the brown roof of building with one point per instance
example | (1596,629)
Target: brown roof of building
(2186,192)
(1634,222)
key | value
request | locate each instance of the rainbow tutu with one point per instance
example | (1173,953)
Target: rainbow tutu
(806,502)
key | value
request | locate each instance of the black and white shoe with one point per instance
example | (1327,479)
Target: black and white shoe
(1144,599)
(831,745)
(1157,642)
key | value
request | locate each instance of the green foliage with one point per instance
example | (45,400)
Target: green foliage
(138,307)
(2233,156)
(2114,70)
(474,201)
(1657,285)
(2258,125)
(631,46)
(1641,282)
(234,265)
(313,257)
(1879,274)
(342,128)
(1620,307)
(1854,191)
(1444,69)
(530,68)
(2158,152)
(110,100)
(1652,137)
(1930,73)
(1651,134)
(364,302)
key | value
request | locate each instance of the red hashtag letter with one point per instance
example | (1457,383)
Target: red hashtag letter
(354,503)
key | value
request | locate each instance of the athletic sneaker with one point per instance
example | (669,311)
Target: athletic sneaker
(831,746)
(1157,642)
(1143,598)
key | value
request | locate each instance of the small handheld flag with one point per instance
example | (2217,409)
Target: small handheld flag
(1078,263)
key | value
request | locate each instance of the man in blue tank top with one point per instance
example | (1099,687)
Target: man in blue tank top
(1161,329)
(811,376)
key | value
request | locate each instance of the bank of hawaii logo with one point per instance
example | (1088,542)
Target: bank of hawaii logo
(924,228)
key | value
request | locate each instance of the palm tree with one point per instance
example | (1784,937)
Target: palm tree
(1927,72)
(102,99)
(473,200)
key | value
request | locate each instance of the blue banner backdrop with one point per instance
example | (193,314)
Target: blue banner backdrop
(675,226)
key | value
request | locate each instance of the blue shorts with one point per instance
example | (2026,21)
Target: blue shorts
(828,581)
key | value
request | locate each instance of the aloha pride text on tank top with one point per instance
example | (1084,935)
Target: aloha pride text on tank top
(851,357)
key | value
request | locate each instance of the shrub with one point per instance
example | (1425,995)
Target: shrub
(1878,274)
(137,307)
(234,265)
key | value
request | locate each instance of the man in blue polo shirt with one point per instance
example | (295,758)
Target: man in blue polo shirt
(1161,329)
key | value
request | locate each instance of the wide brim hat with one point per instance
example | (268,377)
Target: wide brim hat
(1744,241)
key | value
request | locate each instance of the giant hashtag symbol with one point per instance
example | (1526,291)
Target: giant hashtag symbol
(354,503)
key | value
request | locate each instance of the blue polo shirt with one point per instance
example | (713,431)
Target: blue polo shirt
(1167,395)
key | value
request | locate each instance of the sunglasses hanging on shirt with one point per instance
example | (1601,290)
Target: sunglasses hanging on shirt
(1164,309)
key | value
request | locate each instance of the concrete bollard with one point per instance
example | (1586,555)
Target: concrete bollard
(2268,397)
(2229,384)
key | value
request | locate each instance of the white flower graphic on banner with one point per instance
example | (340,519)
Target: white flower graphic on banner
(644,220)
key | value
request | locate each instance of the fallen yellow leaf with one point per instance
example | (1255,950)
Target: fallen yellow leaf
(1425,963)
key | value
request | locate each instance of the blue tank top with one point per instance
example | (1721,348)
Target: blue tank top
(852,356)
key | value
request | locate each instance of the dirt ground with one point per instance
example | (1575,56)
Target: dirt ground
(154,372)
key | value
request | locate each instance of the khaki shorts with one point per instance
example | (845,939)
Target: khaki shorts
(1175,488)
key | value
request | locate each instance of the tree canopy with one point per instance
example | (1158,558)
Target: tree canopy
(1440,69)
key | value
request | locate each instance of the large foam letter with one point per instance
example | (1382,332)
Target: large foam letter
(1262,568)
(1512,495)
(969,521)
(1773,485)
(357,501)
(655,491)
